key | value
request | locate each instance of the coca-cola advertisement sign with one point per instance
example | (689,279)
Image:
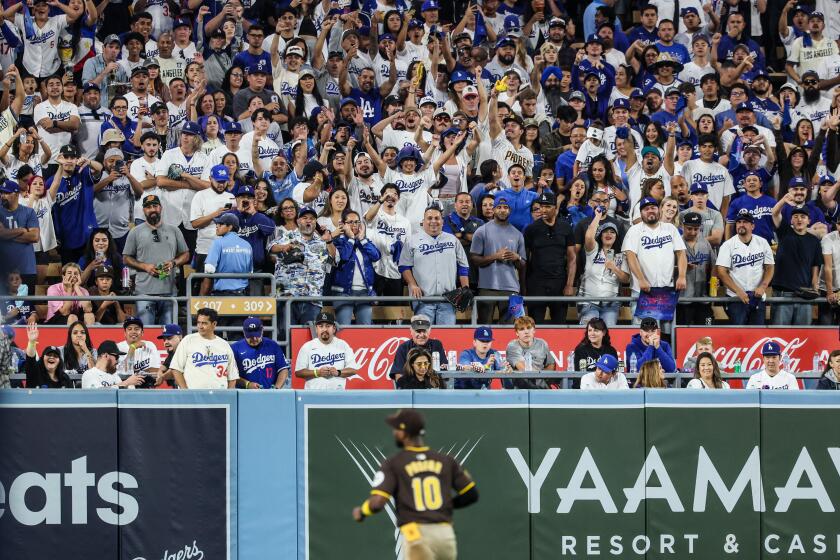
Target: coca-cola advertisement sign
(374,348)
(744,344)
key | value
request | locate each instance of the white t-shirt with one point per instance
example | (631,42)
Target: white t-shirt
(698,384)
(728,136)
(655,249)
(337,354)
(596,281)
(317,204)
(692,74)
(609,140)
(206,364)
(588,151)
(43,210)
(782,380)
(146,357)
(830,245)
(504,153)
(268,150)
(61,112)
(134,104)
(95,378)
(745,262)
(715,176)
(143,170)
(184,53)
(589,383)
(414,193)
(635,176)
(179,201)
(203,204)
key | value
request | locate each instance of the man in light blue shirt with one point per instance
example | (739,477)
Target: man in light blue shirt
(229,254)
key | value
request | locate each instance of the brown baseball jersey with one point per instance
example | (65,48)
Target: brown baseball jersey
(422,483)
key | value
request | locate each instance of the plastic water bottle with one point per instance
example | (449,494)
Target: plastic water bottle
(737,367)
(816,363)
(529,362)
(452,359)
(570,362)
(436,361)
(786,362)
(634,364)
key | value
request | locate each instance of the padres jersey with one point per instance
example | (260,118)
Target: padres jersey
(422,483)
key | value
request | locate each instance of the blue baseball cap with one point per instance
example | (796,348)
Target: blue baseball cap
(169,331)
(252,326)
(484,334)
(387,37)
(257,68)
(805,9)
(637,94)
(227,219)
(689,10)
(233,128)
(347,100)
(307,210)
(459,76)
(415,23)
(244,190)
(220,173)
(505,42)
(181,22)
(133,320)
(621,103)
(797,182)
(771,348)
(191,128)
(512,22)
(699,188)
(607,363)
(9,332)
(745,216)
(827,178)
(745,106)
(501,201)
(9,186)
(647,201)
(429,5)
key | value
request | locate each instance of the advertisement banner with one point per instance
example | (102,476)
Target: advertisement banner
(585,448)
(375,347)
(744,344)
(62,494)
(345,448)
(179,450)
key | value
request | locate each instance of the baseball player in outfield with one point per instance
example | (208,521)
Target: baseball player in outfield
(425,486)
(203,360)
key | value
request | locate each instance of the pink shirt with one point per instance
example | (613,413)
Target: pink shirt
(54,305)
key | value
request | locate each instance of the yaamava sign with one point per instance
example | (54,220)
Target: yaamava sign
(564,474)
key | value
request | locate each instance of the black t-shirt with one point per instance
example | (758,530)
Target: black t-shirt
(546,246)
(411,382)
(794,258)
(591,354)
(403,349)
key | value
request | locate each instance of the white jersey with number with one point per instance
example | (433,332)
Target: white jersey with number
(655,248)
(745,262)
(713,175)
(781,381)
(316,354)
(61,113)
(40,56)
(178,202)
(146,357)
(205,363)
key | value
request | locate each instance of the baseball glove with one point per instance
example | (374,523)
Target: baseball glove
(174,171)
(460,298)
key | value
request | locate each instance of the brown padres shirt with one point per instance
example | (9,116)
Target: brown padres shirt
(422,483)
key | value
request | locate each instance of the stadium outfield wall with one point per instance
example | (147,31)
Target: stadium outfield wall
(242,475)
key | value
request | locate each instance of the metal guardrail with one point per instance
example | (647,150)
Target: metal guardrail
(568,376)
(128,299)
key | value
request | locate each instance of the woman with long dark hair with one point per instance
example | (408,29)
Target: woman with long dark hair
(307,97)
(707,374)
(418,372)
(831,374)
(286,216)
(605,269)
(595,343)
(232,83)
(264,198)
(25,151)
(100,250)
(48,372)
(78,354)
(601,176)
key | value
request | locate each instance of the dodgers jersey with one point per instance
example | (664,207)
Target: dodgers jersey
(259,364)
(316,354)
(205,363)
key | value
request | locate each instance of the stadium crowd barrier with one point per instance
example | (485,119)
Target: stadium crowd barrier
(251,475)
